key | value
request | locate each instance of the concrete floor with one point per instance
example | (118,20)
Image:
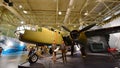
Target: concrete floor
(12,60)
(91,61)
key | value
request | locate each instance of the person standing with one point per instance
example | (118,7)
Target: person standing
(54,46)
(64,51)
(83,49)
(32,49)
(1,50)
(50,51)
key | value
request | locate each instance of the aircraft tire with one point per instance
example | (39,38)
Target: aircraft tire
(33,58)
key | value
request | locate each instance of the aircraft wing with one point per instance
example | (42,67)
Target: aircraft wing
(103,31)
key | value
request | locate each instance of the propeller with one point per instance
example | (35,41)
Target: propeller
(66,28)
(87,27)
(75,33)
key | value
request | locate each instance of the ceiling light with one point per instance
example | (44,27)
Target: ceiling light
(74,25)
(22,22)
(20,6)
(86,13)
(59,12)
(24,11)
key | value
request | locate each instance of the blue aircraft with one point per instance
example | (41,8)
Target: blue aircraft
(11,45)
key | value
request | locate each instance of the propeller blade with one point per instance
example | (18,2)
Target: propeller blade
(66,28)
(87,27)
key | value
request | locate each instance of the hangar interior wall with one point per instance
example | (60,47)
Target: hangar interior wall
(114,40)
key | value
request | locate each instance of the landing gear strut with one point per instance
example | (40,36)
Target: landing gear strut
(33,57)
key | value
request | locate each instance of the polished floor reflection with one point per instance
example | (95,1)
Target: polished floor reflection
(76,61)
(12,60)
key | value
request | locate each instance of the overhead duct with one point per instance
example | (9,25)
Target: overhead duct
(7,1)
(11,9)
(71,3)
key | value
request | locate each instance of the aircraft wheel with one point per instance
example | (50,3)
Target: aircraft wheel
(33,58)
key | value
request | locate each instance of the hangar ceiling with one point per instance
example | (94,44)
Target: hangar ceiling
(59,12)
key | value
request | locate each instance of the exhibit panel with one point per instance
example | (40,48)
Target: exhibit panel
(114,38)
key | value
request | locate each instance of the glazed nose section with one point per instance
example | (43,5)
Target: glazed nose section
(18,34)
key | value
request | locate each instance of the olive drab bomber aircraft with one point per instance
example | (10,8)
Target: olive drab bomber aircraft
(44,35)
(39,36)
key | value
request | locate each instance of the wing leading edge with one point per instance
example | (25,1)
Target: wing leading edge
(103,31)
